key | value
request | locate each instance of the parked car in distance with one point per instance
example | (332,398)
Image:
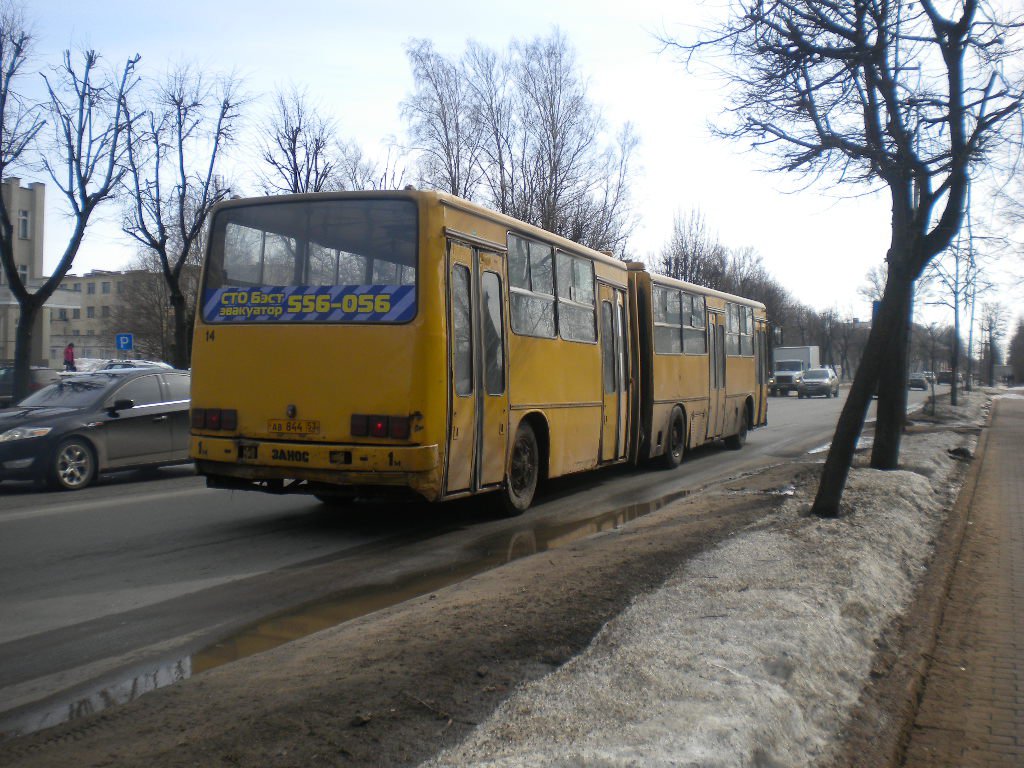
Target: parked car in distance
(113,365)
(930,375)
(818,381)
(917,380)
(68,432)
(38,377)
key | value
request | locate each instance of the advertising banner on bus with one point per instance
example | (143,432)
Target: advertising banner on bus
(310,304)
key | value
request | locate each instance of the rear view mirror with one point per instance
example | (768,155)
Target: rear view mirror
(122,405)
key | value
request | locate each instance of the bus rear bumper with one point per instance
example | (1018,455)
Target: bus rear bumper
(266,465)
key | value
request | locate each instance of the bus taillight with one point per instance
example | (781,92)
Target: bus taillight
(395,427)
(378,426)
(215,418)
(400,427)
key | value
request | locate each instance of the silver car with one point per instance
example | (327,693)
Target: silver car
(818,382)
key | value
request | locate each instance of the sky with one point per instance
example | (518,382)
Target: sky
(818,241)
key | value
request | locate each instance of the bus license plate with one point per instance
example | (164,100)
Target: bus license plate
(293,426)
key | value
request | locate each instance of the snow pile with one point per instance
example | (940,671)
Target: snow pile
(753,654)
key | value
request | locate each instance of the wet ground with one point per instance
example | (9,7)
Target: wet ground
(394,687)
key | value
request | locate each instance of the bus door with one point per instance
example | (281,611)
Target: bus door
(478,417)
(716,376)
(614,420)
(761,366)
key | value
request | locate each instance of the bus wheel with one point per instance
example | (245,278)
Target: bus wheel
(673,455)
(523,471)
(735,442)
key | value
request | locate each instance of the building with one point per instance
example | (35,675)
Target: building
(26,206)
(88,324)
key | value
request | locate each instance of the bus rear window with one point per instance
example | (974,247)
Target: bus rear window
(330,261)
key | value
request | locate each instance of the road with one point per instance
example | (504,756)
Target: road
(145,578)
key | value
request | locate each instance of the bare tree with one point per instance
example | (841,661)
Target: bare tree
(298,146)
(520,134)
(1016,353)
(993,331)
(952,280)
(149,315)
(492,109)
(874,91)
(172,182)
(874,288)
(692,253)
(84,109)
(441,123)
(356,170)
(851,336)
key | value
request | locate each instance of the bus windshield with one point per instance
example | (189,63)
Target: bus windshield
(331,261)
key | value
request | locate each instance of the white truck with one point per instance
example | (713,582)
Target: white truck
(788,363)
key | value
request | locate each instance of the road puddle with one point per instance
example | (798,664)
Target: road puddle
(484,554)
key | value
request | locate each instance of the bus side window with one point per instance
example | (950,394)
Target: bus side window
(462,331)
(494,358)
(608,346)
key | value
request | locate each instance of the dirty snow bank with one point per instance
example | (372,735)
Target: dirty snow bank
(755,652)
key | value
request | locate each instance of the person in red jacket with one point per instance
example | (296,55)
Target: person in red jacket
(69,357)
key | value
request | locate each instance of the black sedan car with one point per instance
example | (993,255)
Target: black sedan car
(66,433)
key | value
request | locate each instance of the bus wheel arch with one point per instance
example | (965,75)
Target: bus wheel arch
(527,464)
(736,441)
(675,438)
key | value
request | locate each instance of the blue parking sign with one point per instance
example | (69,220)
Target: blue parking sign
(123,342)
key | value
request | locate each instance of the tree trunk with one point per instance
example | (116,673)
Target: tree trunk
(891,312)
(182,349)
(954,391)
(23,349)
(892,379)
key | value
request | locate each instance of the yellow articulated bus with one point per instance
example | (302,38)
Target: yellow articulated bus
(410,343)
(701,355)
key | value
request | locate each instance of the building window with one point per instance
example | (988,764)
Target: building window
(90,332)
(23,273)
(105,312)
(75,332)
(63,314)
(90,311)
(91,288)
(76,314)
(78,287)
(23,230)
(106,287)
(120,287)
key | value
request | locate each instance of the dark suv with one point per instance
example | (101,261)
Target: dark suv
(38,377)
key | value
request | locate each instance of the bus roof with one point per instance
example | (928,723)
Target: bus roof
(512,224)
(636,266)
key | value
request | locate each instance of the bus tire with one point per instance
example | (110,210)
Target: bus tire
(675,443)
(735,442)
(523,472)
